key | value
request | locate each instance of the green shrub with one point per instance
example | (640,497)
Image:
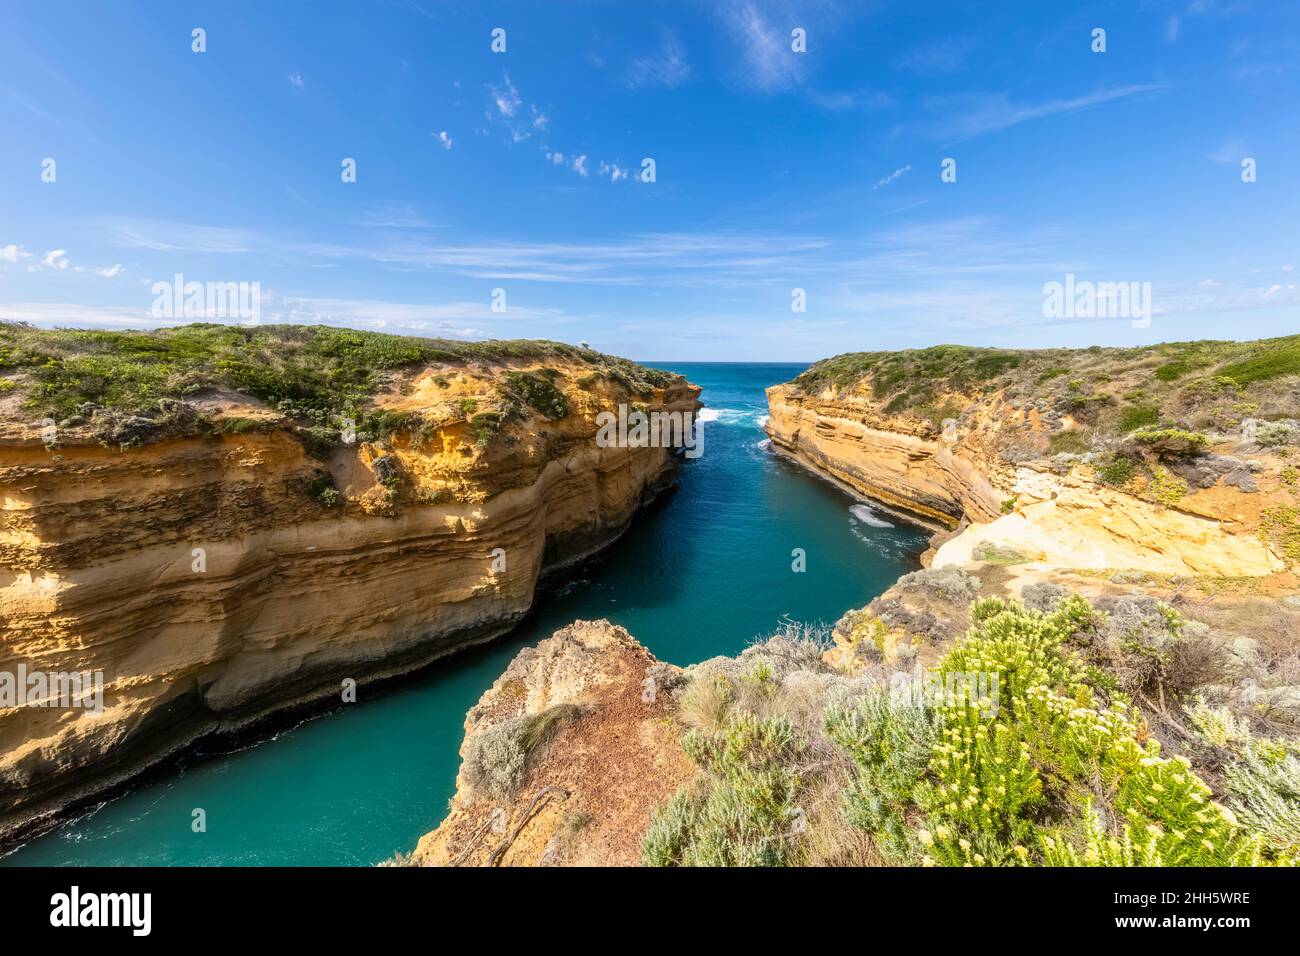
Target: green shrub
(1118,470)
(496,758)
(1261,777)
(538,392)
(1279,526)
(1166,487)
(744,812)
(1138,416)
(484,426)
(1270,363)
(890,742)
(1171,371)
(1172,440)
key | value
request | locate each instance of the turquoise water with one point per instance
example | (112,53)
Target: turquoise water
(700,574)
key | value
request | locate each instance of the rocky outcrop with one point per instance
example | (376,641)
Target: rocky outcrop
(1072,522)
(216,580)
(564,758)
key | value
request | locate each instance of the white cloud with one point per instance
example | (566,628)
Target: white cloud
(295,79)
(110,272)
(886,180)
(769,63)
(83,316)
(56,259)
(540,119)
(12,253)
(557,158)
(443,139)
(1229,154)
(667,67)
(580,164)
(175,236)
(612,170)
(506,96)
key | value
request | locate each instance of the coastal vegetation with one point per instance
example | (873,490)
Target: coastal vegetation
(130,385)
(1051,762)
(1168,395)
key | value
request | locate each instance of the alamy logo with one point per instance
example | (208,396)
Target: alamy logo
(75,689)
(1084,299)
(179,299)
(74,908)
(659,429)
(975,689)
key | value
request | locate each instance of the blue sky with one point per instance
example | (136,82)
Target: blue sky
(774,170)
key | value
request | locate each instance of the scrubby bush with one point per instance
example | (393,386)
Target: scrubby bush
(1172,441)
(744,813)
(1261,777)
(890,740)
(1024,784)
(496,758)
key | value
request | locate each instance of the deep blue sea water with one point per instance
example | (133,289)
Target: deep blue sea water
(703,573)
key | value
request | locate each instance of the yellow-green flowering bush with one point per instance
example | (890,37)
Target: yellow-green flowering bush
(1058,773)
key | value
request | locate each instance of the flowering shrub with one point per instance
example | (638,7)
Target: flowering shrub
(1059,775)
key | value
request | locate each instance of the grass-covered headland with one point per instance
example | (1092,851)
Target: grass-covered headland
(1195,385)
(127,385)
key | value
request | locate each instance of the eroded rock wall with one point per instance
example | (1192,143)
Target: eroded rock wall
(212,584)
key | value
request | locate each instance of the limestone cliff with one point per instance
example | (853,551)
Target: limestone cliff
(217,577)
(1112,470)
(934,475)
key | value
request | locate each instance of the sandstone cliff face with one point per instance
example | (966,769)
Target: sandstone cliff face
(936,477)
(216,580)
(987,477)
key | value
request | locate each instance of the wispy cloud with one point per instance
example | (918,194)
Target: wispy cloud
(767,62)
(1228,154)
(667,67)
(886,180)
(56,259)
(295,80)
(945,55)
(393,215)
(972,115)
(174,237)
(443,139)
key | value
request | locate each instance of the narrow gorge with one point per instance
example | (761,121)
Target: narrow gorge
(1127,517)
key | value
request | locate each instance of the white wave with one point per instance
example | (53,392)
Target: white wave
(732,416)
(868,517)
(765,444)
(762,421)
